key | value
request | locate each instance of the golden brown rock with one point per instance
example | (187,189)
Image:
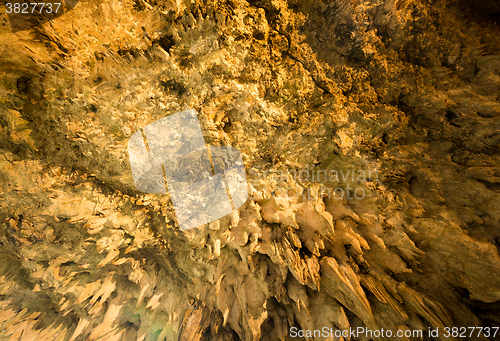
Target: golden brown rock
(396,103)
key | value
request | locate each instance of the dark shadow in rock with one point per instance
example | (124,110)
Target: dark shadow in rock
(486,6)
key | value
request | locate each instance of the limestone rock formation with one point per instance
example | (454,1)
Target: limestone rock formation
(370,132)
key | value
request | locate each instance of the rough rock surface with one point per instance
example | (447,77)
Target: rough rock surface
(406,91)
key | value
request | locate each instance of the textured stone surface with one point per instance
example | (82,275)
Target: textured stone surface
(406,91)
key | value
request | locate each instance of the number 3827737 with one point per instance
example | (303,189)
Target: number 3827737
(32,7)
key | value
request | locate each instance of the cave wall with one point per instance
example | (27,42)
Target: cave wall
(404,91)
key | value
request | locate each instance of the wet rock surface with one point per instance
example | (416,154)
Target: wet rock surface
(397,101)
